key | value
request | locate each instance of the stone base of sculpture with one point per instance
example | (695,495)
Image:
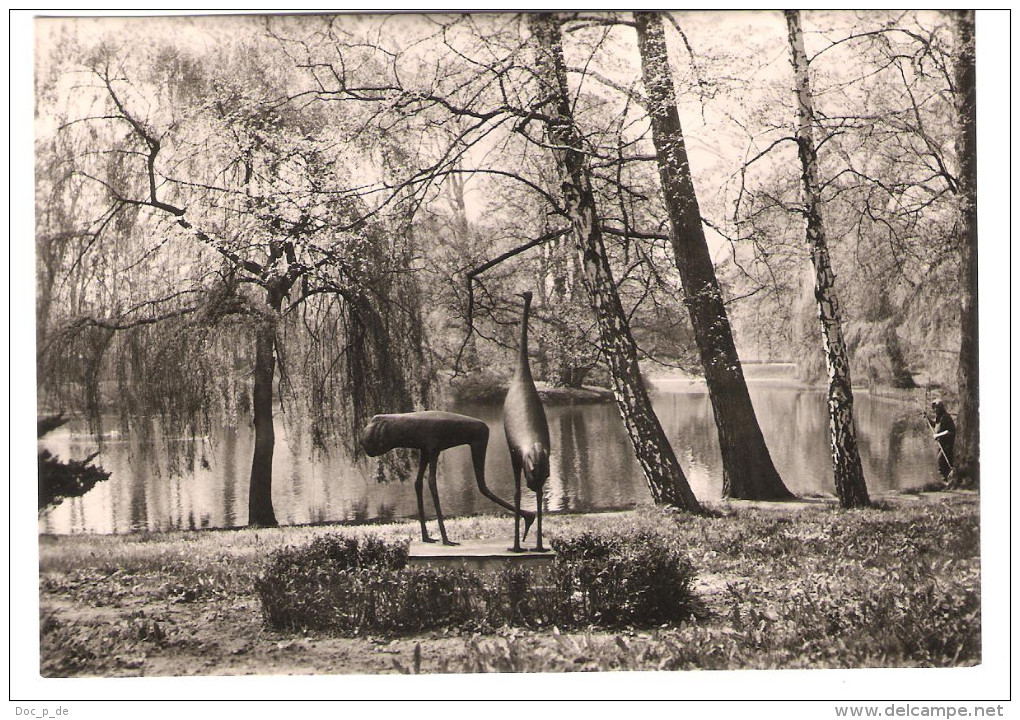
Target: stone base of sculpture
(474,555)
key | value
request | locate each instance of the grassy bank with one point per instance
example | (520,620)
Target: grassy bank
(786,585)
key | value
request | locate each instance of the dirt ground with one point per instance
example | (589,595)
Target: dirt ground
(206,638)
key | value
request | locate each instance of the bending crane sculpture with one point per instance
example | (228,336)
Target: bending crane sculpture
(430,432)
(527,434)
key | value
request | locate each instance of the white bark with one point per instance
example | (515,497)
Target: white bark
(846,460)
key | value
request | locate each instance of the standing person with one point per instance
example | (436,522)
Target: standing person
(944,430)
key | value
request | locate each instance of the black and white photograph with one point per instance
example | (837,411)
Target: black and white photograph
(632,345)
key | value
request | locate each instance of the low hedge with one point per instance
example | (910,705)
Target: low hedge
(620,580)
(339,585)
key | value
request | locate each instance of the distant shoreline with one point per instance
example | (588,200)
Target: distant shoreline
(551,395)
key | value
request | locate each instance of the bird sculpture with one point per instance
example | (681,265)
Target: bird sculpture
(527,433)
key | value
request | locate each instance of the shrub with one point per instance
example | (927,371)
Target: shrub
(622,580)
(416,599)
(342,553)
(338,584)
(597,580)
(60,479)
(341,585)
(519,597)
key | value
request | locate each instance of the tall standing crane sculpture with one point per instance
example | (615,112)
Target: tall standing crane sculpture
(430,432)
(527,433)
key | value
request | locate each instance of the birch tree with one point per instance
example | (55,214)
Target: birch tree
(846,460)
(658,462)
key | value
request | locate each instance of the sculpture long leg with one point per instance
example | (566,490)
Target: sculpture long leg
(478,458)
(538,533)
(517,506)
(418,484)
(434,489)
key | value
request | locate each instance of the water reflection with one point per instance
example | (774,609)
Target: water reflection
(593,467)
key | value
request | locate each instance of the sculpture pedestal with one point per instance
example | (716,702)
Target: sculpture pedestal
(476,555)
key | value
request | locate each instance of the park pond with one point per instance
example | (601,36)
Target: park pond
(593,467)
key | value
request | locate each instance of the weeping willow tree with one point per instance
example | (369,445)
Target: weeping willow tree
(220,261)
(352,354)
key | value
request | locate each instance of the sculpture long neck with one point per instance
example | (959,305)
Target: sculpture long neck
(523,366)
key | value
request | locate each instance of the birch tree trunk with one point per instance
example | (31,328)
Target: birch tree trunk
(665,478)
(967,422)
(748,470)
(846,460)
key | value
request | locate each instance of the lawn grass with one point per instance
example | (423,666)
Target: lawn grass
(781,586)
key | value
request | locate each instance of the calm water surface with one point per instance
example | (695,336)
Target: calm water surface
(593,467)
